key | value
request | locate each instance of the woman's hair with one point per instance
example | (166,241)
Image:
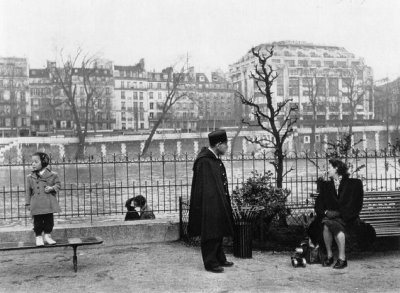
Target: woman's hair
(44,158)
(140,200)
(341,167)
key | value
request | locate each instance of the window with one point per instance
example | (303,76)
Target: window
(141,96)
(303,63)
(150,85)
(315,63)
(328,64)
(159,85)
(122,94)
(140,84)
(293,86)
(333,86)
(290,63)
(317,138)
(141,125)
(306,139)
(151,115)
(122,105)
(135,95)
(107,90)
(151,106)
(151,95)
(159,95)
(123,116)
(321,83)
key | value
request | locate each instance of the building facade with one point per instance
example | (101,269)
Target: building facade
(15,110)
(140,96)
(328,84)
(387,107)
(131,97)
(51,110)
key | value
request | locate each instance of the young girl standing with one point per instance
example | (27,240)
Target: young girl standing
(41,197)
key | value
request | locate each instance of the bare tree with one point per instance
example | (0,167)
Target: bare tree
(276,120)
(355,91)
(175,92)
(80,71)
(315,86)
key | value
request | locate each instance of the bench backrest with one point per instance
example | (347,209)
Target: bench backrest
(381,208)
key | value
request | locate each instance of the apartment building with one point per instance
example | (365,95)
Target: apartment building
(15,111)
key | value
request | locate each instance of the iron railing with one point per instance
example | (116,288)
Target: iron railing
(100,185)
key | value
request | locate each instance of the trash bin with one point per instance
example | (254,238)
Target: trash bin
(244,218)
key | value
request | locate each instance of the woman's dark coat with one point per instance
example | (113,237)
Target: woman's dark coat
(210,214)
(348,204)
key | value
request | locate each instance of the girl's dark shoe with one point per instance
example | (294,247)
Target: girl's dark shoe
(340,264)
(327,262)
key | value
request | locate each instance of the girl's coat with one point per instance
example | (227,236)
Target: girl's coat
(41,202)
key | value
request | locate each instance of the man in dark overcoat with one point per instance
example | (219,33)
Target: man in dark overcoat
(210,214)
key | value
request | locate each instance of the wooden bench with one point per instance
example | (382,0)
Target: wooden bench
(72,242)
(381,209)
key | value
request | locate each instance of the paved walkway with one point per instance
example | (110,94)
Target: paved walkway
(173,267)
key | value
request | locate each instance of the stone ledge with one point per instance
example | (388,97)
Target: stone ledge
(113,233)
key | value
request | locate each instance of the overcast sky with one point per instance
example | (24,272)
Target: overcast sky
(215,33)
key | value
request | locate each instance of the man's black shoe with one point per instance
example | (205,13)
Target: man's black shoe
(227,264)
(217,269)
(340,264)
(327,262)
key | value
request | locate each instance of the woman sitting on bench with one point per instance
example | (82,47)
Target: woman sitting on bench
(337,207)
(144,211)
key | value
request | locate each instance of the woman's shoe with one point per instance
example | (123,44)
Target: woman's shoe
(327,262)
(340,264)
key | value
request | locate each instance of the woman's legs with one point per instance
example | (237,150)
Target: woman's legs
(328,241)
(340,239)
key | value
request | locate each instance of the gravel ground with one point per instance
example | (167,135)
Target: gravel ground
(174,267)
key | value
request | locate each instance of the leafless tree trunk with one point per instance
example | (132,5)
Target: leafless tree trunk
(276,120)
(79,69)
(355,92)
(314,86)
(174,94)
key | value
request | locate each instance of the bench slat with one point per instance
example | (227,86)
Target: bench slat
(60,243)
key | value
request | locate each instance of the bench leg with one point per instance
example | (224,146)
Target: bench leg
(75,259)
